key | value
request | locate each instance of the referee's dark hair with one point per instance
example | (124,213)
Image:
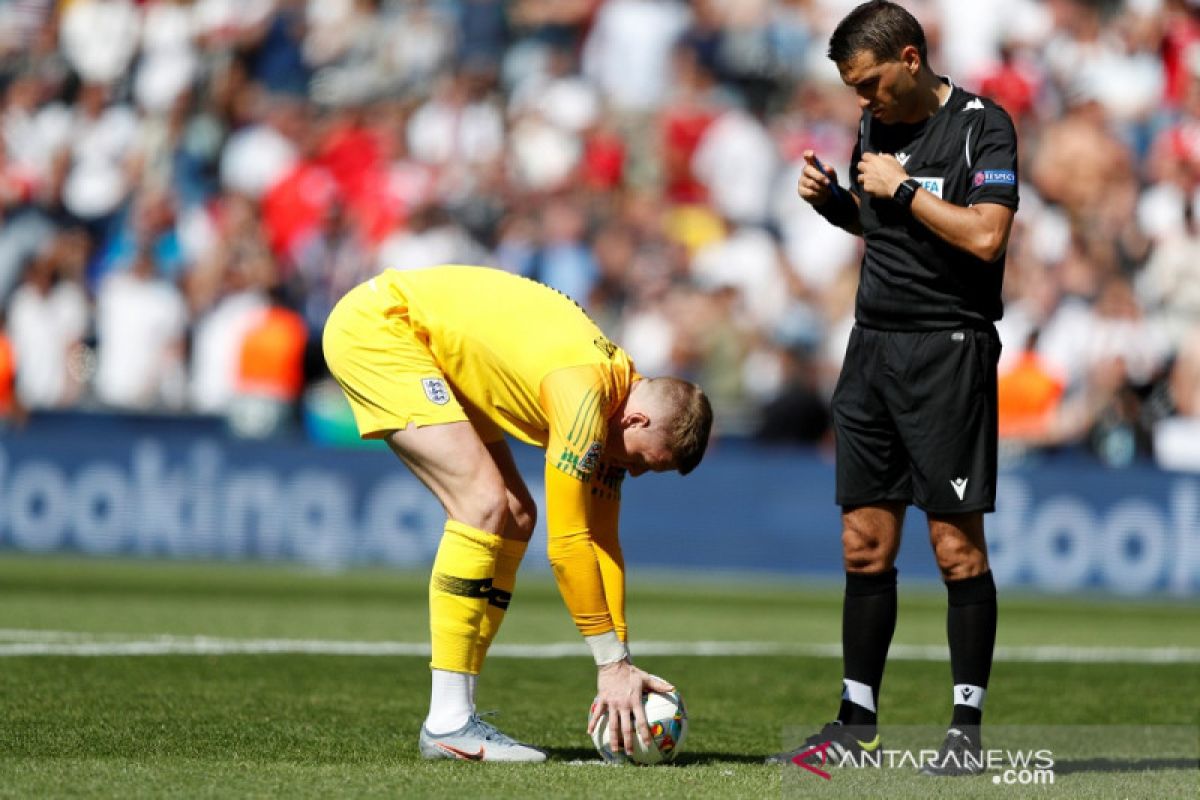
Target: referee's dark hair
(881,28)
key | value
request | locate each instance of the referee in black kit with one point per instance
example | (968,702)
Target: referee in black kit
(933,194)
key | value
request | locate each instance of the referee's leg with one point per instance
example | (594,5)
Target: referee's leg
(870,541)
(961,551)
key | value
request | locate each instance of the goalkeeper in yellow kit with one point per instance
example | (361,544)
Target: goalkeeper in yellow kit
(441,363)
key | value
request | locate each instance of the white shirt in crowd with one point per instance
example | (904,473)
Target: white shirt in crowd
(442,133)
(737,162)
(748,260)
(254,159)
(628,51)
(99,37)
(140,323)
(44,329)
(97,181)
(444,244)
(816,251)
(168,62)
(217,349)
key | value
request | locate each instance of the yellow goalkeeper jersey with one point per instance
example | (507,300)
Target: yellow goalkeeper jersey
(520,358)
(520,354)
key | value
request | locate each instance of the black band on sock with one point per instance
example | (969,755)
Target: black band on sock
(462,587)
(864,584)
(972,591)
(499,598)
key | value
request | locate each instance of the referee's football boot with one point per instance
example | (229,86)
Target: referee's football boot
(477,741)
(831,746)
(961,754)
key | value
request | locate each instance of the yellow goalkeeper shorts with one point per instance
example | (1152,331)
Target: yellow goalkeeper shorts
(387,371)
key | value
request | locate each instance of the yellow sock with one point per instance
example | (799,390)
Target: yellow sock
(509,558)
(459,590)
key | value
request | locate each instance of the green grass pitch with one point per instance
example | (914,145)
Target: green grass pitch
(316,725)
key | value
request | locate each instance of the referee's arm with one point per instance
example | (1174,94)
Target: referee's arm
(818,186)
(981,230)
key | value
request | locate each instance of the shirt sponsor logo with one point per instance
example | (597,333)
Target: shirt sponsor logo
(931,185)
(995,177)
(436,391)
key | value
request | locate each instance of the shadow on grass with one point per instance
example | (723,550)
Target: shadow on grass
(572,753)
(685,759)
(1123,765)
(720,758)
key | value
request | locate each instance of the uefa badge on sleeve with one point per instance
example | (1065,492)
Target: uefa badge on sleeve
(436,391)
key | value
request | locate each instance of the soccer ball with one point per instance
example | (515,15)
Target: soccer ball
(667,719)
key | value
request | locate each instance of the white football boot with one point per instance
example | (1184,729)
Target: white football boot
(477,741)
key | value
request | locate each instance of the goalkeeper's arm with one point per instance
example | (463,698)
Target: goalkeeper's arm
(586,557)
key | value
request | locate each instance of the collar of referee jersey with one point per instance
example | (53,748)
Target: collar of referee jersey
(946,79)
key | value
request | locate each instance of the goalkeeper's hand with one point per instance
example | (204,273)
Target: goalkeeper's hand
(620,687)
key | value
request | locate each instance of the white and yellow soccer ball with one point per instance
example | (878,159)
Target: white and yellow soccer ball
(667,719)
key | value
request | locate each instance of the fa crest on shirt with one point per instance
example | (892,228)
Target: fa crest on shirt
(436,391)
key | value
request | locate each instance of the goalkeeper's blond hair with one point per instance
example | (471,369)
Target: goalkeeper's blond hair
(687,419)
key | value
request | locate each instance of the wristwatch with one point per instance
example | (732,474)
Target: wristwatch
(906,191)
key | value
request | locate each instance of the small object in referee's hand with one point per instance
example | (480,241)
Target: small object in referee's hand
(835,188)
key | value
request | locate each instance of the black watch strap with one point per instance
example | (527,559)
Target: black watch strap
(906,191)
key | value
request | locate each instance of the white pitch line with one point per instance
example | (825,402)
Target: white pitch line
(65,643)
(26,635)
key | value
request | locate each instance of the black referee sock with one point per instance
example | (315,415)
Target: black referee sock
(971,633)
(868,622)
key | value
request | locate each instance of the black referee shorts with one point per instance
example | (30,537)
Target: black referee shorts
(914,414)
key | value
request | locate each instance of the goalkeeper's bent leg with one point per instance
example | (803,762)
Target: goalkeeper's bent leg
(460,589)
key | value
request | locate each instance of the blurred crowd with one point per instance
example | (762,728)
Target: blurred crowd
(187,187)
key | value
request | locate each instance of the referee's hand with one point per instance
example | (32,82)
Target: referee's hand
(880,174)
(816,180)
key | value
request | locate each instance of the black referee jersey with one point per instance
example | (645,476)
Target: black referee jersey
(965,154)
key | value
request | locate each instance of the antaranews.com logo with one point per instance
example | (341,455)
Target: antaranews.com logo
(1011,767)
(1064,761)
